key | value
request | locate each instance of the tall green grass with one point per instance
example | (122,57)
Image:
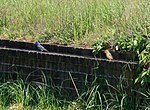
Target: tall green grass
(71,21)
(30,95)
(44,96)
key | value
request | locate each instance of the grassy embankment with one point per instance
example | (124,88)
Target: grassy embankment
(73,21)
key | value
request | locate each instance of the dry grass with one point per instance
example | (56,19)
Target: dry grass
(16,107)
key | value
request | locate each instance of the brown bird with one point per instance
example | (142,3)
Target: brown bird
(108,54)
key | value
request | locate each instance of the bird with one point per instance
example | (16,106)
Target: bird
(40,47)
(108,54)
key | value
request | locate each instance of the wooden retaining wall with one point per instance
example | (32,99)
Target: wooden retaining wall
(24,59)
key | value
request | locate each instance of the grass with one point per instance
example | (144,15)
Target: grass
(73,21)
(33,95)
(19,94)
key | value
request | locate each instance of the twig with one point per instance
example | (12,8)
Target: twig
(74,84)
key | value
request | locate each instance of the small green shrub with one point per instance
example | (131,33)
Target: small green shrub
(137,44)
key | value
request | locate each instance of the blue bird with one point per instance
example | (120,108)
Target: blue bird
(40,47)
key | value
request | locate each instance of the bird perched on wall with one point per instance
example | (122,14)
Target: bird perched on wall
(108,54)
(40,47)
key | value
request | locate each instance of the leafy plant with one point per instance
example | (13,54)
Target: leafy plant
(99,44)
(136,44)
(140,47)
(144,59)
(105,41)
